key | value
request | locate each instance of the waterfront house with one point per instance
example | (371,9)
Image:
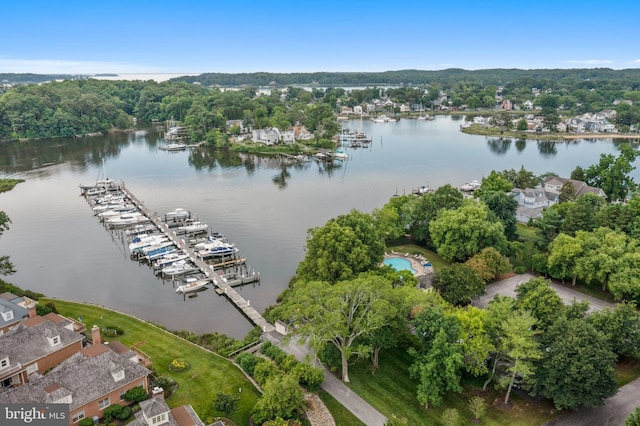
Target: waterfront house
(268,136)
(36,345)
(554,185)
(531,202)
(89,381)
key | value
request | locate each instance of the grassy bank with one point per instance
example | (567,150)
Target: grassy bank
(391,391)
(9,184)
(476,129)
(208,375)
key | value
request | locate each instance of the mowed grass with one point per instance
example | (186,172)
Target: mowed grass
(627,370)
(341,415)
(208,375)
(391,391)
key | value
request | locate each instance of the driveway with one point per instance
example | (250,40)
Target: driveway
(334,386)
(507,287)
(612,413)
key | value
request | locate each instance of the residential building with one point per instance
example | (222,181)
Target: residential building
(36,345)
(531,202)
(554,185)
(267,136)
(11,313)
(156,412)
(89,381)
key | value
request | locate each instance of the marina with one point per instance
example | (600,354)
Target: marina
(190,265)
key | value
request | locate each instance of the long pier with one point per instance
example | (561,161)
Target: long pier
(223,286)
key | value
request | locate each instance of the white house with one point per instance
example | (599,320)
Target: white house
(267,136)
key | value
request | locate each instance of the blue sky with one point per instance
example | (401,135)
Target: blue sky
(199,36)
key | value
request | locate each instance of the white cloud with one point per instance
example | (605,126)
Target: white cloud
(591,61)
(637,61)
(55,66)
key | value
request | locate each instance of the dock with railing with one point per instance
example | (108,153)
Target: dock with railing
(239,273)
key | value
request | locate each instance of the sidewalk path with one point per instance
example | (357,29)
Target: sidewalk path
(334,386)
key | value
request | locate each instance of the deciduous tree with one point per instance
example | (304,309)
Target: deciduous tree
(461,233)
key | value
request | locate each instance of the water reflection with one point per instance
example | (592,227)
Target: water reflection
(499,146)
(521,144)
(547,148)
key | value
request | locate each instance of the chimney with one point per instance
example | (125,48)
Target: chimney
(95,335)
(32,310)
(157,392)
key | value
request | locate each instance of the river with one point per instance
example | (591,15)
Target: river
(59,248)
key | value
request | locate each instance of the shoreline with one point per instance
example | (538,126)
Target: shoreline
(558,137)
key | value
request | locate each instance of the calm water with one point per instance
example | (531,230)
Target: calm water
(59,248)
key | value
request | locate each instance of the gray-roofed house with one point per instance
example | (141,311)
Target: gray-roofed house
(11,314)
(35,345)
(88,381)
(155,411)
(555,183)
(531,202)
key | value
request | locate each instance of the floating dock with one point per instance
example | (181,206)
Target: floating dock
(224,284)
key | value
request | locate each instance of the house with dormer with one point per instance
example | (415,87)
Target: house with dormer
(554,184)
(89,381)
(531,202)
(36,345)
(156,412)
(12,313)
(269,136)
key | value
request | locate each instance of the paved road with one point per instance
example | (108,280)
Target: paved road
(507,287)
(612,413)
(349,399)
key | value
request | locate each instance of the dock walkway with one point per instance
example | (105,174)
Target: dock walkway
(224,286)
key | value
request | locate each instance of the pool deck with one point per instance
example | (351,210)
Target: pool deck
(417,262)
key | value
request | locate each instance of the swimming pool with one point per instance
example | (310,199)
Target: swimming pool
(399,264)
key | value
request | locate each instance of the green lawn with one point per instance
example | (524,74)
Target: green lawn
(8,184)
(391,391)
(341,415)
(208,375)
(527,233)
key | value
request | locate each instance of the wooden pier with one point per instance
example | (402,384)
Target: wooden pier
(222,286)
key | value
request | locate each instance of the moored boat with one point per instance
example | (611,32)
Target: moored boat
(192,286)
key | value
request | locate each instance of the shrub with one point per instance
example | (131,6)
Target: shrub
(136,394)
(112,331)
(309,376)
(264,371)
(520,269)
(86,422)
(114,410)
(226,402)
(247,362)
(125,413)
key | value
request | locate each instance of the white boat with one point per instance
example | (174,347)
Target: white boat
(140,229)
(340,154)
(174,147)
(131,218)
(109,214)
(383,119)
(180,267)
(177,214)
(142,241)
(470,186)
(169,259)
(193,228)
(160,250)
(223,249)
(192,286)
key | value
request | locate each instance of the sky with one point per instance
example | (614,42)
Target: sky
(200,36)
